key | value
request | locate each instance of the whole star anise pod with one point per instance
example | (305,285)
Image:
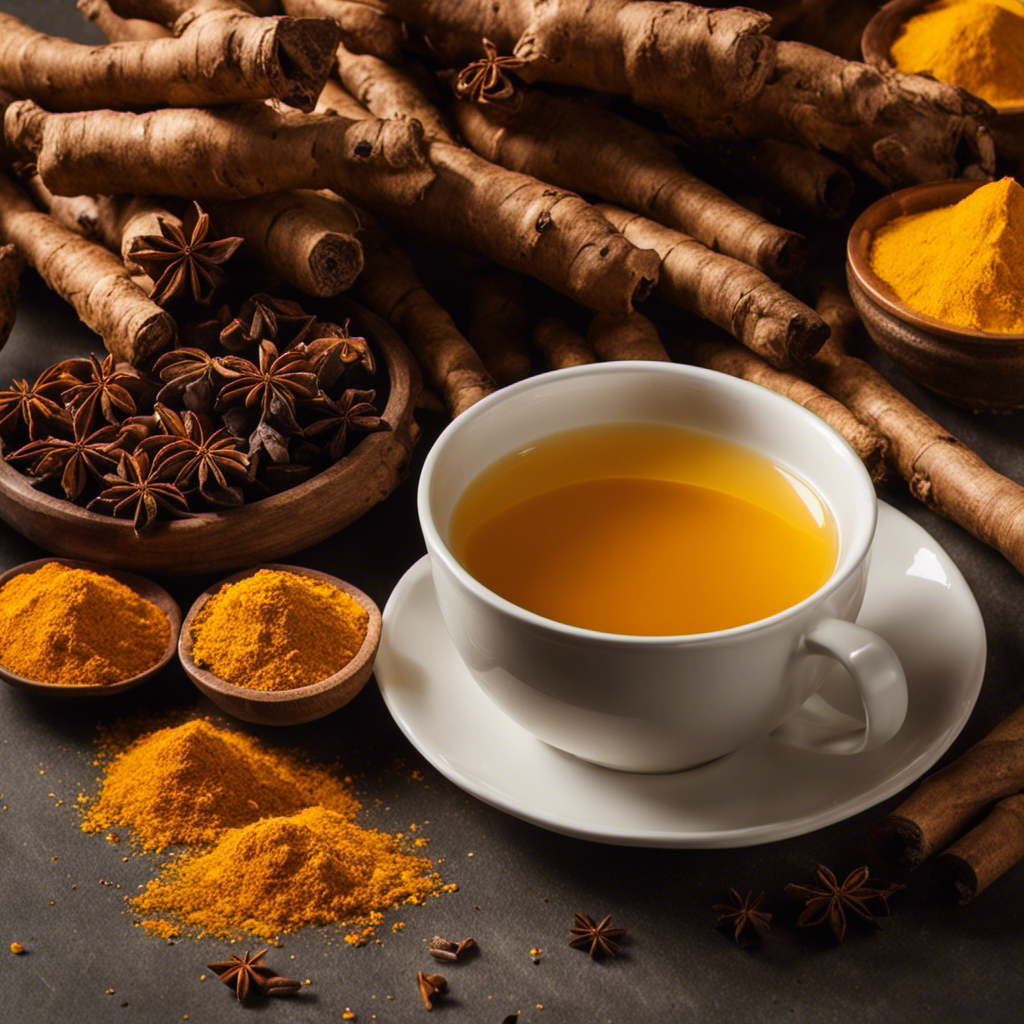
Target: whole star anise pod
(35,405)
(354,410)
(487,80)
(832,901)
(85,457)
(135,492)
(192,376)
(430,986)
(245,972)
(751,925)
(109,391)
(271,388)
(178,264)
(262,318)
(600,937)
(333,350)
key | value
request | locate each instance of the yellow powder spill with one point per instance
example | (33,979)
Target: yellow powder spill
(74,627)
(282,874)
(278,631)
(962,264)
(975,44)
(189,783)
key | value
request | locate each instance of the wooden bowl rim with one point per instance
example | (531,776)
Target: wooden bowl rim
(880,32)
(365,655)
(401,371)
(916,199)
(146,589)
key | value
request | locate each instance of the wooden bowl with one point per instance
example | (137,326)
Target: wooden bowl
(285,707)
(975,369)
(1007,123)
(261,531)
(144,588)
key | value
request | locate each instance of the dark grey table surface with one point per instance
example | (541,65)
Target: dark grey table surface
(62,892)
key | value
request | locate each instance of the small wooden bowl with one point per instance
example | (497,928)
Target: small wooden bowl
(144,588)
(1007,124)
(285,707)
(974,369)
(261,531)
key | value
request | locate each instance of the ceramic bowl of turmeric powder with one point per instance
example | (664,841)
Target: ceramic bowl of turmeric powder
(937,274)
(74,630)
(280,644)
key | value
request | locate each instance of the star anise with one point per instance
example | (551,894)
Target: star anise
(486,80)
(832,902)
(197,457)
(752,925)
(35,405)
(354,409)
(134,491)
(192,376)
(600,937)
(431,986)
(445,949)
(263,317)
(332,350)
(176,263)
(271,388)
(87,456)
(108,391)
(244,972)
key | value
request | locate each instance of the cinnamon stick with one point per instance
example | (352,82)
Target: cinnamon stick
(499,324)
(940,470)
(987,852)
(11,266)
(625,336)
(738,298)
(92,279)
(560,344)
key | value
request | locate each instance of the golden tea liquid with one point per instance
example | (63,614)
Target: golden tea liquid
(644,529)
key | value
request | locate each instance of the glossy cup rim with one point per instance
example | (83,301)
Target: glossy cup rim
(437,547)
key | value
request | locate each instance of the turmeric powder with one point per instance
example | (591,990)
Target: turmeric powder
(277,631)
(74,627)
(976,44)
(963,264)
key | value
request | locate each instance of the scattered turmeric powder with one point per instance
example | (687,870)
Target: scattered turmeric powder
(74,627)
(976,44)
(962,264)
(278,631)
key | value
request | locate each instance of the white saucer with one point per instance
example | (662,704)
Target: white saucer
(916,599)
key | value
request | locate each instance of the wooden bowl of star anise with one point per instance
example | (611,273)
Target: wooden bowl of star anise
(265,431)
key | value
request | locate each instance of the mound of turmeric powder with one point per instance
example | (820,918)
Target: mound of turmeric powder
(190,783)
(976,44)
(962,264)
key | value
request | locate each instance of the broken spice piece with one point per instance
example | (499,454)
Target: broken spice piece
(431,986)
(444,949)
(600,937)
(752,926)
(832,902)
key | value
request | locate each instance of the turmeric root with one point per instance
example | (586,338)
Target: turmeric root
(588,149)
(92,279)
(364,29)
(118,29)
(561,344)
(11,265)
(941,471)
(737,298)
(899,129)
(499,324)
(207,154)
(670,56)
(625,336)
(217,57)
(390,287)
(724,355)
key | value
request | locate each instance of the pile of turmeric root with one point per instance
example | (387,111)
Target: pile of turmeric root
(505,183)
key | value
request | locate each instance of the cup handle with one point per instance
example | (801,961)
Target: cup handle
(879,678)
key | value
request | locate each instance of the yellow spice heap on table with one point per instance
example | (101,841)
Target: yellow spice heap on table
(976,44)
(191,783)
(74,627)
(962,264)
(277,631)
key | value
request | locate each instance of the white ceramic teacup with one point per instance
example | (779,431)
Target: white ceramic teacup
(657,704)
